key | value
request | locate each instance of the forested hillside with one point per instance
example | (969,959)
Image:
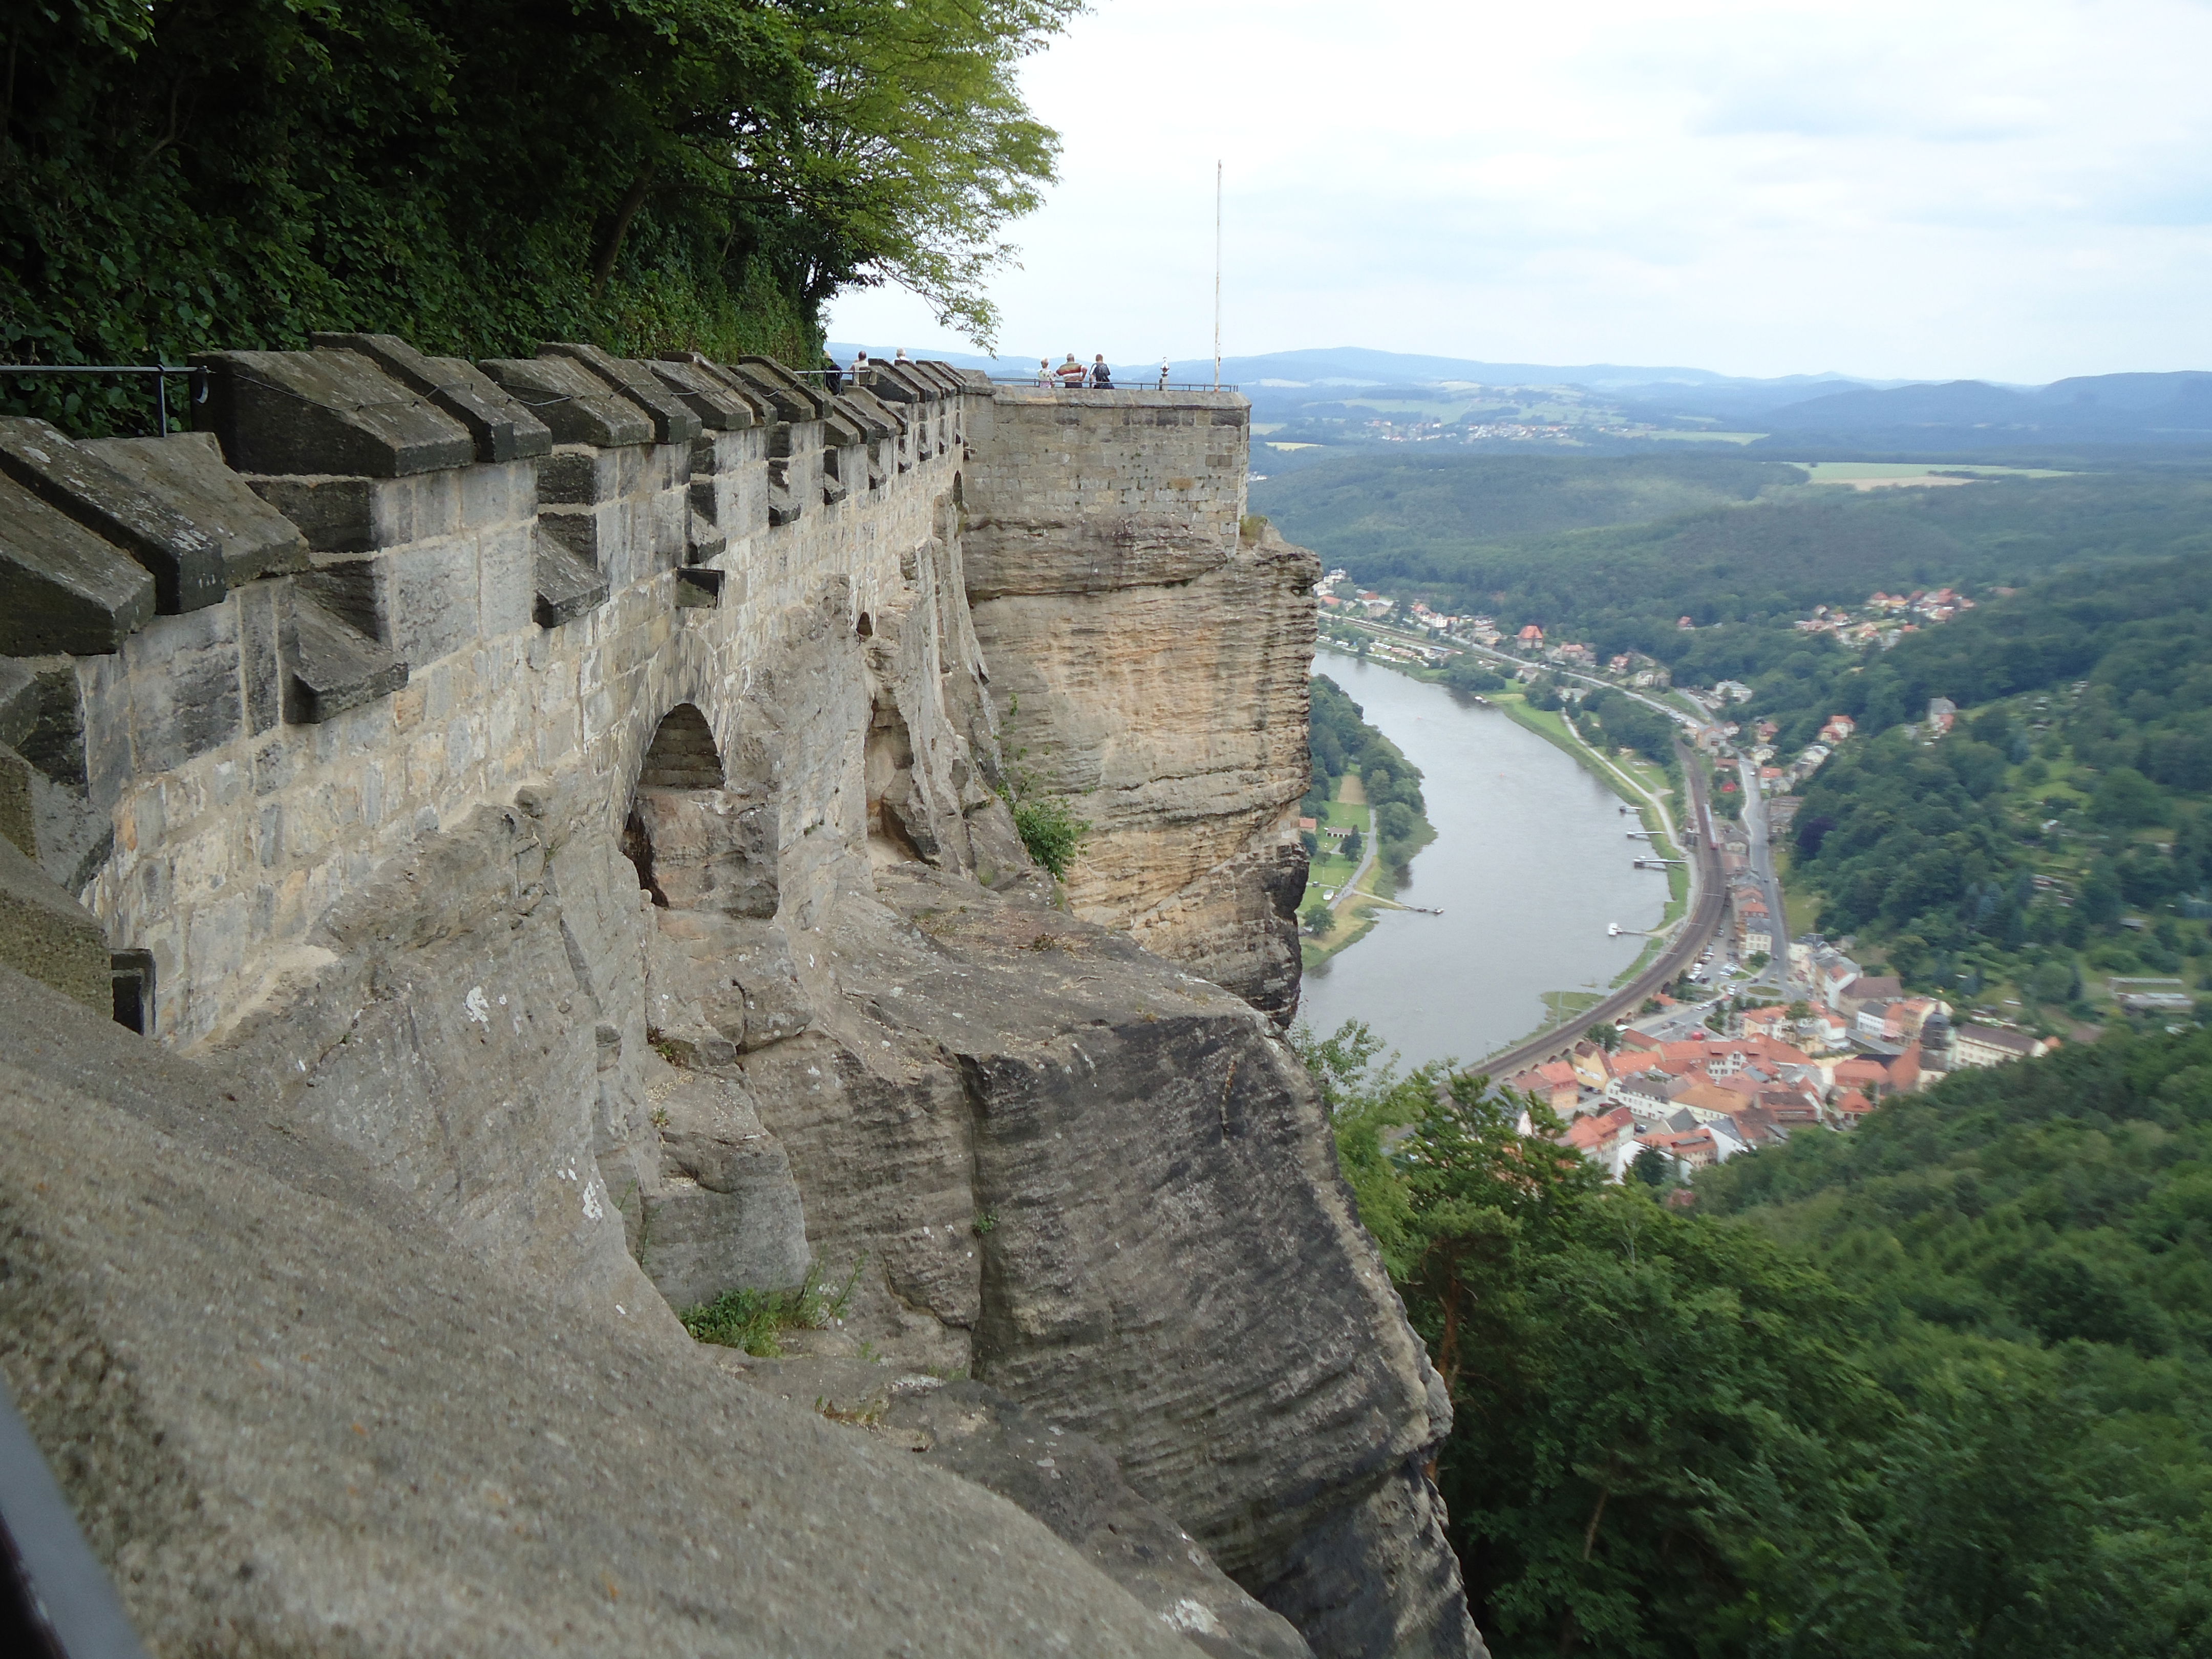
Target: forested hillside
(1939,1388)
(480,175)
(2063,830)
(1614,552)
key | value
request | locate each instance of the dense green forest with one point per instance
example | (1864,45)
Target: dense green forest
(481,175)
(2071,800)
(1939,1388)
(1614,551)
(1340,741)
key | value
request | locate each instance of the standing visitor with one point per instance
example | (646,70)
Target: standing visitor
(1101,378)
(1163,374)
(1070,374)
(833,378)
(1044,372)
(902,357)
(860,364)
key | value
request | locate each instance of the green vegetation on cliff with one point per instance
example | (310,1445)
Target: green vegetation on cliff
(1940,1387)
(480,175)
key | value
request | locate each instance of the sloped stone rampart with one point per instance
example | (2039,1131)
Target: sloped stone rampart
(580,821)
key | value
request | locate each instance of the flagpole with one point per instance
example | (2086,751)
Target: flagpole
(1217,276)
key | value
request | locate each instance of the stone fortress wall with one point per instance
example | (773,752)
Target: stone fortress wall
(566,791)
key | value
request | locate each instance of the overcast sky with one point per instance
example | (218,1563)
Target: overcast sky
(1923,188)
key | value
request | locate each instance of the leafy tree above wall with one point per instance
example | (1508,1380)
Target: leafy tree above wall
(480,175)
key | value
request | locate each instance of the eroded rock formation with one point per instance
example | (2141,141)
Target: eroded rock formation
(606,900)
(1148,651)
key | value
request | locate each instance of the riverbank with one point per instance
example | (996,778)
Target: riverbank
(1512,900)
(1344,892)
(1641,784)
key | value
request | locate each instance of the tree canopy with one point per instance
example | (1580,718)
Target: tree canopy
(1936,1387)
(479,175)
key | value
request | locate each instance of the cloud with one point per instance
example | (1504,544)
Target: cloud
(2019,191)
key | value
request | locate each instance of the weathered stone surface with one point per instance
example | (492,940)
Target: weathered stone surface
(278,412)
(19,701)
(576,404)
(329,667)
(187,471)
(185,560)
(719,406)
(18,812)
(447,979)
(1066,1479)
(502,428)
(1055,1145)
(294,1418)
(566,586)
(1380,1578)
(1172,715)
(62,588)
(673,422)
(796,398)
(47,935)
(726,1213)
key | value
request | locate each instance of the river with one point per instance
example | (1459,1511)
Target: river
(1529,864)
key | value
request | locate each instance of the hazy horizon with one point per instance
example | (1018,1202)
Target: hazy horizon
(2017,194)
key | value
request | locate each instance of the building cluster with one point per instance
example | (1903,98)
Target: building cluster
(1822,1063)
(1885,617)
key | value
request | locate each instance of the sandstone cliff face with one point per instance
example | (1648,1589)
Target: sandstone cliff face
(665,946)
(1149,661)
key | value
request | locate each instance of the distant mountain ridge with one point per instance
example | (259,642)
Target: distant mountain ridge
(1792,410)
(1358,366)
(2132,406)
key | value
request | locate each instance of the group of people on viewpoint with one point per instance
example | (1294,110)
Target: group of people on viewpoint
(1070,376)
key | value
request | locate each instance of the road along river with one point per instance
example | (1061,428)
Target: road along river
(1530,863)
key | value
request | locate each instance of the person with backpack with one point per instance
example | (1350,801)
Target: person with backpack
(1101,378)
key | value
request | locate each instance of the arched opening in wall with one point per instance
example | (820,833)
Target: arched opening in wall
(898,827)
(866,628)
(699,841)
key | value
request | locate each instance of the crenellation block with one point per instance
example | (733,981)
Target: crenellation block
(185,561)
(322,413)
(260,656)
(502,428)
(577,406)
(673,422)
(62,587)
(577,475)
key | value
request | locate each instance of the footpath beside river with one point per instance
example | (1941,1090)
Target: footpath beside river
(1530,864)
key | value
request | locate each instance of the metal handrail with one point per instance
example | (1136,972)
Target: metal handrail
(195,380)
(1137,383)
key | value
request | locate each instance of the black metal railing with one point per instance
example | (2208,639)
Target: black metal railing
(195,380)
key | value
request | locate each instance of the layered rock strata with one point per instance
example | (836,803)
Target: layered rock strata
(575,846)
(1149,651)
